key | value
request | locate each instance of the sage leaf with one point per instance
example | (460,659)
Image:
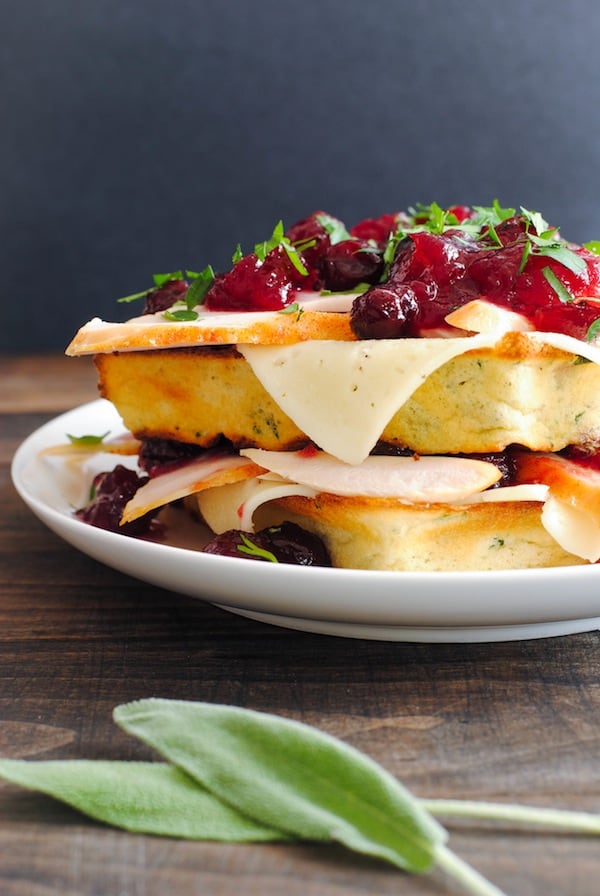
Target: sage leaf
(290,776)
(142,797)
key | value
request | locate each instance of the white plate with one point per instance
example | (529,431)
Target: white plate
(434,607)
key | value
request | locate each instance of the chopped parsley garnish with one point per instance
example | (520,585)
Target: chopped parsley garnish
(201,283)
(593,331)
(253,550)
(557,285)
(180,314)
(87,439)
(335,229)
(159,280)
(277,240)
(294,308)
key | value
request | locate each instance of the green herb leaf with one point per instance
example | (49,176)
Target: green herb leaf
(557,285)
(261,250)
(593,246)
(180,314)
(335,229)
(201,283)
(293,308)
(253,550)
(237,255)
(161,279)
(87,439)
(535,220)
(559,253)
(134,296)
(289,776)
(593,331)
(278,240)
(359,288)
(146,797)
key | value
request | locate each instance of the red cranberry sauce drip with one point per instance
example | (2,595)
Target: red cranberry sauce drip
(316,253)
(435,273)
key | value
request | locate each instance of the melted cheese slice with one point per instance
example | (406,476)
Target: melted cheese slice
(343,394)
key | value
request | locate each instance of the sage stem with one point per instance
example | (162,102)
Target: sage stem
(470,880)
(584,822)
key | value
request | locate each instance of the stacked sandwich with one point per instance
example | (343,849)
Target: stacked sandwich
(420,392)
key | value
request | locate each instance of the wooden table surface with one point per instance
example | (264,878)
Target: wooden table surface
(503,721)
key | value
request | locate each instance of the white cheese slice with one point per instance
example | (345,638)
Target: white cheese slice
(588,350)
(343,394)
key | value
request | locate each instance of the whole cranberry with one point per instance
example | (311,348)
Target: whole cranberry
(403,256)
(112,490)
(165,296)
(384,312)
(286,543)
(511,230)
(311,236)
(494,272)
(346,264)
(376,229)
(461,212)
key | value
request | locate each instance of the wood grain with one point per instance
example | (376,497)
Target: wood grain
(515,721)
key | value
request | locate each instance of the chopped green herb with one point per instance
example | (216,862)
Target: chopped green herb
(180,314)
(593,331)
(237,255)
(134,296)
(525,256)
(593,246)
(557,285)
(253,550)
(277,240)
(536,221)
(201,283)
(335,229)
(161,279)
(294,308)
(87,439)
(558,252)
(261,250)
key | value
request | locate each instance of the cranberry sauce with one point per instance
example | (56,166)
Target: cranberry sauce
(317,253)
(165,296)
(157,456)
(286,543)
(512,265)
(111,491)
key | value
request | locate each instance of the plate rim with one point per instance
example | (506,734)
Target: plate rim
(67,527)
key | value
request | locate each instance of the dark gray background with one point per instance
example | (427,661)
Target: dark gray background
(140,137)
